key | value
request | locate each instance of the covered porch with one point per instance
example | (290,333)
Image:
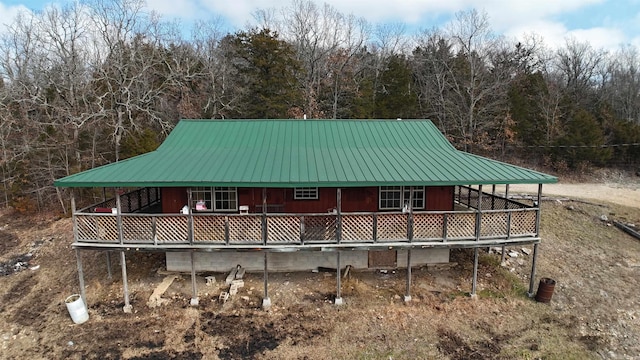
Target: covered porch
(481,218)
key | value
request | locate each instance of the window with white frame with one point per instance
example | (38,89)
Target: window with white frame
(225,199)
(396,197)
(214,199)
(201,199)
(305,193)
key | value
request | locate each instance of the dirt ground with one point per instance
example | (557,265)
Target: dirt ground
(594,312)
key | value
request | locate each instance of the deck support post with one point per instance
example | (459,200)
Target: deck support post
(123,261)
(506,206)
(125,286)
(407,294)
(535,246)
(78,255)
(109,270)
(83,293)
(266,301)
(194,285)
(533,270)
(474,282)
(338,300)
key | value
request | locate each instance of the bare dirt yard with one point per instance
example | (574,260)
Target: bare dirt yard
(594,312)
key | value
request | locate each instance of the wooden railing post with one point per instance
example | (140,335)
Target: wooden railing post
(375,227)
(339,215)
(410,216)
(445,216)
(190,218)
(264,216)
(119,217)
(479,213)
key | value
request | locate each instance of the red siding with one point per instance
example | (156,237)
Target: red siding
(439,198)
(281,200)
(360,199)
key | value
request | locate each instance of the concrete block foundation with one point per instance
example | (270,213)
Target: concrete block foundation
(294,261)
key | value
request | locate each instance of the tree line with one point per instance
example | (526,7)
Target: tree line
(98,81)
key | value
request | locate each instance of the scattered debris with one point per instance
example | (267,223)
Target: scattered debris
(211,280)
(604,218)
(346,271)
(156,299)
(235,274)
(526,251)
(513,254)
(16,264)
(224,296)
(628,228)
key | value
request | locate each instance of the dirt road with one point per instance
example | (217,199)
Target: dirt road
(627,194)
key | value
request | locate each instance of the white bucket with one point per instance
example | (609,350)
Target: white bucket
(77,309)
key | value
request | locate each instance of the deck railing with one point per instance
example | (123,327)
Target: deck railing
(301,229)
(483,218)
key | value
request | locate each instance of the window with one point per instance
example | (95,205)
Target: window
(214,199)
(201,199)
(390,197)
(395,197)
(226,199)
(305,193)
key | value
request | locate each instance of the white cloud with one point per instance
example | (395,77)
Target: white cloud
(547,18)
(9,13)
(605,38)
(185,9)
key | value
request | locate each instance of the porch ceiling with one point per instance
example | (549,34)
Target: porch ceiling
(304,153)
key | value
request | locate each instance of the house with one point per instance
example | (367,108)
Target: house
(301,194)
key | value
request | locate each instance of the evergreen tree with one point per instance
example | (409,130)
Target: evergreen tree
(583,140)
(395,94)
(267,70)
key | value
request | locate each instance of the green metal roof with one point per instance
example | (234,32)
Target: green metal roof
(301,153)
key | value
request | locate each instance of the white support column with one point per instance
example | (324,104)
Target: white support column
(83,292)
(533,270)
(338,300)
(123,263)
(194,285)
(407,294)
(266,301)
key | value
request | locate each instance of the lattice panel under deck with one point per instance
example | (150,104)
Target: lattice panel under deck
(208,229)
(283,229)
(245,229)
(427,226)
(137,229)
(319,228)
(357,228)
(461,226)
(493,224)
(172,229)
(392,227)
(523,222)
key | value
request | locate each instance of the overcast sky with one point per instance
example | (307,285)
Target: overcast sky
(603,23)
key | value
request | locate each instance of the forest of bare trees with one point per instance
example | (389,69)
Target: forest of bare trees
(98,81)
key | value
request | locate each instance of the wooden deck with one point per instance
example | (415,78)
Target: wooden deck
(482,220)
